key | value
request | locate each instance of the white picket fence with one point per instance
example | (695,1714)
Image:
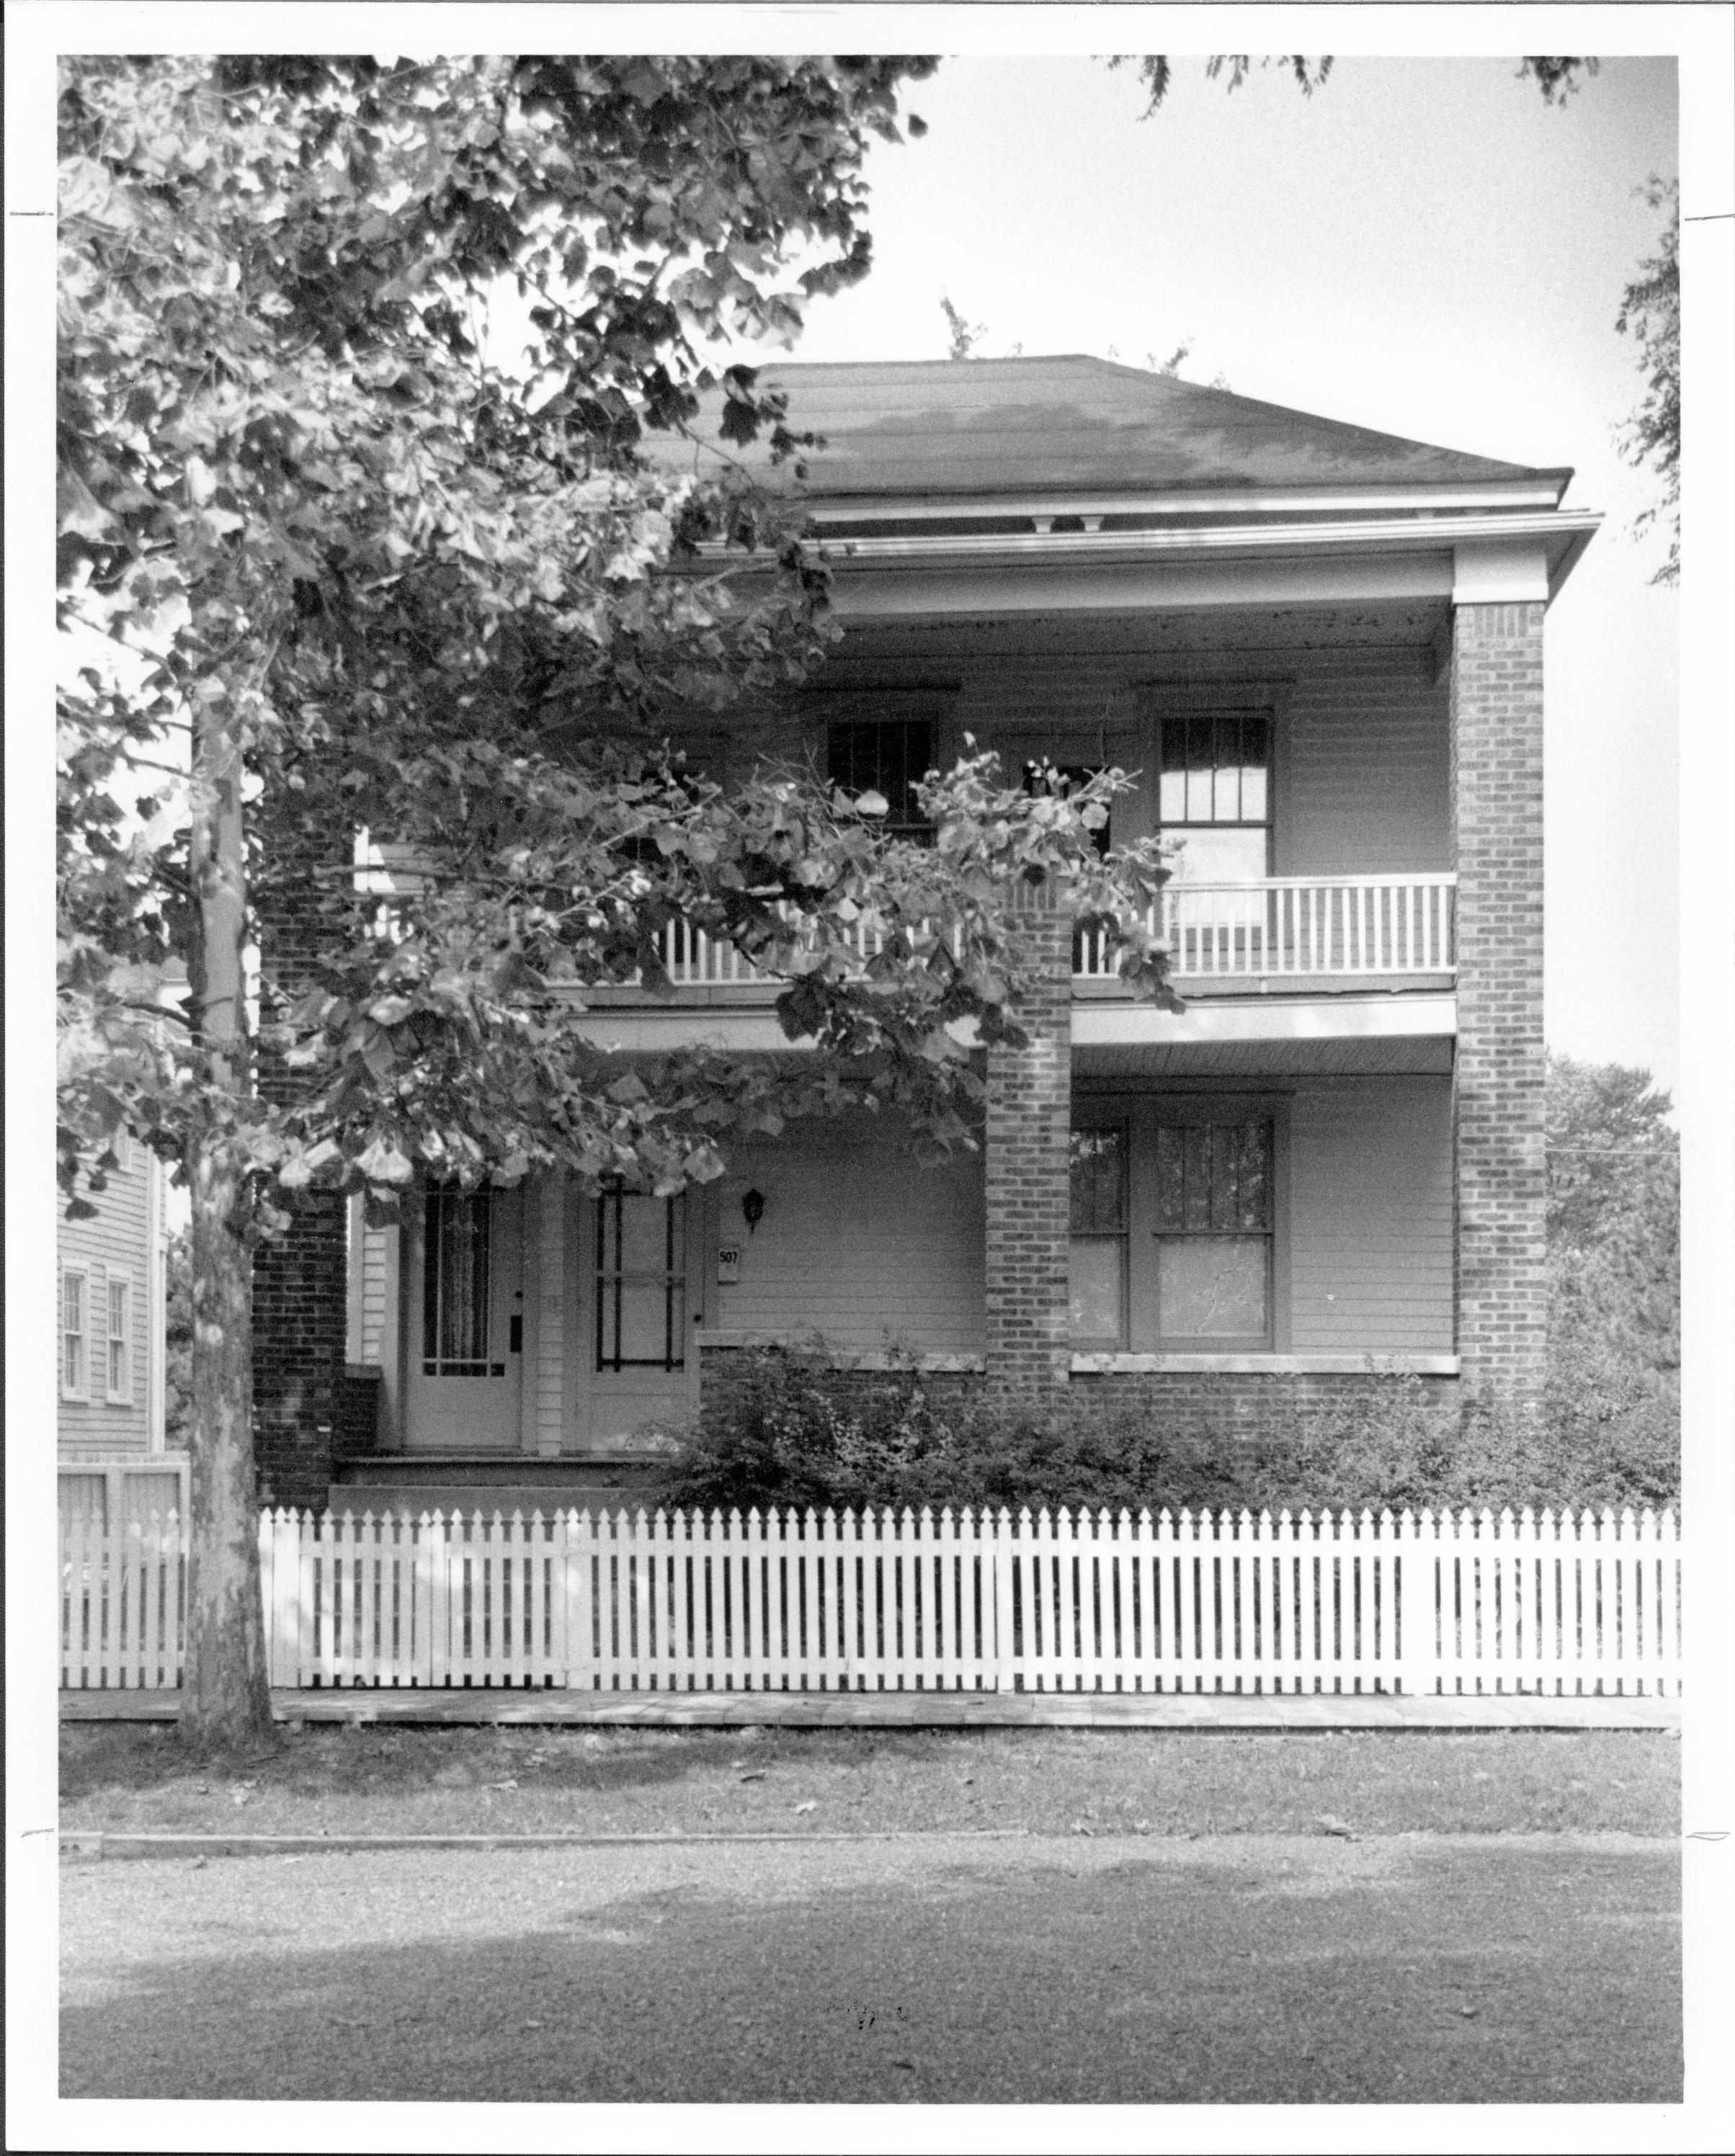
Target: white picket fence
(966,1602)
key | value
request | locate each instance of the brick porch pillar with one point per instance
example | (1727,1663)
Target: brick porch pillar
(300,1280)
(1028,1123)
(1496,800)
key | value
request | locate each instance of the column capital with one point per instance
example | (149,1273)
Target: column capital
(1499,572)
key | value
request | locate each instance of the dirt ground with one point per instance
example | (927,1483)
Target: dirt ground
(132,1777)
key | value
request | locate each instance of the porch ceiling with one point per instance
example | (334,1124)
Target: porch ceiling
(1410,623)
(1402,1057)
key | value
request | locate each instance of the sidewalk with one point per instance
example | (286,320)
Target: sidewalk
(909,1710)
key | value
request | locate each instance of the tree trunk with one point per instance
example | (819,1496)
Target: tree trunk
(225,1693)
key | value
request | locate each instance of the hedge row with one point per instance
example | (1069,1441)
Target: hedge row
(787,1429)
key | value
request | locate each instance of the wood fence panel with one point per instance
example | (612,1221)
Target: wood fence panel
(1456,1602)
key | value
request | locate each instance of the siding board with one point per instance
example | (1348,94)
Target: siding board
(1362,738)
(862,1243)
(1371,1217)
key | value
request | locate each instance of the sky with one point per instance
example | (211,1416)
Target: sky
(1424,247)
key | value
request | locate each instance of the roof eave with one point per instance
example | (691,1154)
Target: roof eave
(1531,490)
(1562,535)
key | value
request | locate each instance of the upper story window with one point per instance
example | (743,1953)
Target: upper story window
(1072,776)
(887,756)
(1214,794)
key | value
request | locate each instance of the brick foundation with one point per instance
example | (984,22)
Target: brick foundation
(1025,1150)
(1497,798)
(1228,1407)
(723,1371)
(1233,1406)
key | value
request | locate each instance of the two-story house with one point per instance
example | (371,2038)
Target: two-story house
(1321,650)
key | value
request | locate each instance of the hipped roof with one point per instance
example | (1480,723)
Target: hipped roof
(938,429)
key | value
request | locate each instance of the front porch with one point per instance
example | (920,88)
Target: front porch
(1233,1247)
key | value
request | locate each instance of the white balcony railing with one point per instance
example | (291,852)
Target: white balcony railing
(694,960)
(1286,926)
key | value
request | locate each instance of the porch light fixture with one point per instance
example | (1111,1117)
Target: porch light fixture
(753,1209)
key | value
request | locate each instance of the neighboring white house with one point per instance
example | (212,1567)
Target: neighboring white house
(111,1346)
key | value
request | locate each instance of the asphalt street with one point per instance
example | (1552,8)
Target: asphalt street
(1245,1968)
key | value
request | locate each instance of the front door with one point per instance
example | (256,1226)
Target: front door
(465,1308)
(638,1305)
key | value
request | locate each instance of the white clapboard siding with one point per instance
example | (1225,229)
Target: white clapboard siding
(962,1602)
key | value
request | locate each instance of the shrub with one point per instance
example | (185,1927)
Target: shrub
(787,1429)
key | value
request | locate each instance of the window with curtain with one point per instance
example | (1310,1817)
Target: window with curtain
(1097,1301)
(641,1278)
(1214,1233)
(456,1286)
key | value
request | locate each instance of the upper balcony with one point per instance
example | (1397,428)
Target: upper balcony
(1298,934)
(1323,973)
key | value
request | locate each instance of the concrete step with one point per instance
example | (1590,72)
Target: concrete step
(416,1484)
(416,1498)
(494,1470)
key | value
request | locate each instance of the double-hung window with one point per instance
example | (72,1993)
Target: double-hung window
(1098,1257)
(117,1373)
(74,1333)
(1174,1226)
(1214,1233)
(641,1281)
(1213,795)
